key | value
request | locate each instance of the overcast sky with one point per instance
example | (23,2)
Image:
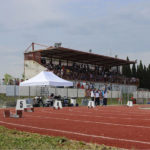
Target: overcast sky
(108,27)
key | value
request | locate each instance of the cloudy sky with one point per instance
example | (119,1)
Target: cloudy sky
(108,27)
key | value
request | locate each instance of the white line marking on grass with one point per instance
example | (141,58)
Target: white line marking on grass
(76,133)
(94,122)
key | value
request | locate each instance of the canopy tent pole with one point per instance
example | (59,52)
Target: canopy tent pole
(15,91)
(111,93)
(19,91)
(67,92)
(55,90)
(29,92)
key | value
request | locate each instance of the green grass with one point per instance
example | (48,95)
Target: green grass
(113,101)
(17,140)
(5,100)
(9,101)
(79,101)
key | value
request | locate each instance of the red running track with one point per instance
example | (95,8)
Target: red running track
(117,126)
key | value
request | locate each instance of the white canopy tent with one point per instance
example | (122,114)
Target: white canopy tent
(46,78)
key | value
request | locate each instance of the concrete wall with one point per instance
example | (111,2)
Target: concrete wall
(141,94)
(38,91)
(3,89)
(114,94)
(11,90)
(32,68)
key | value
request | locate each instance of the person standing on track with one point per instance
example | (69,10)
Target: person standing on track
(97,98)
(105,97)
(101,97)
(92,95)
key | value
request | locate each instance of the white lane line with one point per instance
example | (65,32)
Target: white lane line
(93,122)
(130,110)
(113,112)
(120,114)
(76,133)
(92,116)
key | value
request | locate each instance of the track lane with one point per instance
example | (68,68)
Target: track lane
(100,133)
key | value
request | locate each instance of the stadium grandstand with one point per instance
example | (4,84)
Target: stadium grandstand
(75,65)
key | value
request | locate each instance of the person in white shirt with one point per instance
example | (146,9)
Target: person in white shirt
(92,95)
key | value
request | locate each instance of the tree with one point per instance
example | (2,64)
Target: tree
(23,76)
(145,77)
(126,70)
(140,75)
(148,76)
(134,73)
(7,78)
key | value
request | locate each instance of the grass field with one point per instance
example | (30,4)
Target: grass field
(13,139)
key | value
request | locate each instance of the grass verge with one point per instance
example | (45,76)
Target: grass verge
(13,139)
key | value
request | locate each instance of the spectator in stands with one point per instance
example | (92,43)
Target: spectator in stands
(82,86)
(78,85)
(87,73)
(43,61)
(86,86)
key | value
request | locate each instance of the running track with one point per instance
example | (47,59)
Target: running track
(117,126)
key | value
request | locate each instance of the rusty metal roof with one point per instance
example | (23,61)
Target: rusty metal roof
(82,57)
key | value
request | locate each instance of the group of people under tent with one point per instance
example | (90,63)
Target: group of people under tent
(99,96)
(37,101)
